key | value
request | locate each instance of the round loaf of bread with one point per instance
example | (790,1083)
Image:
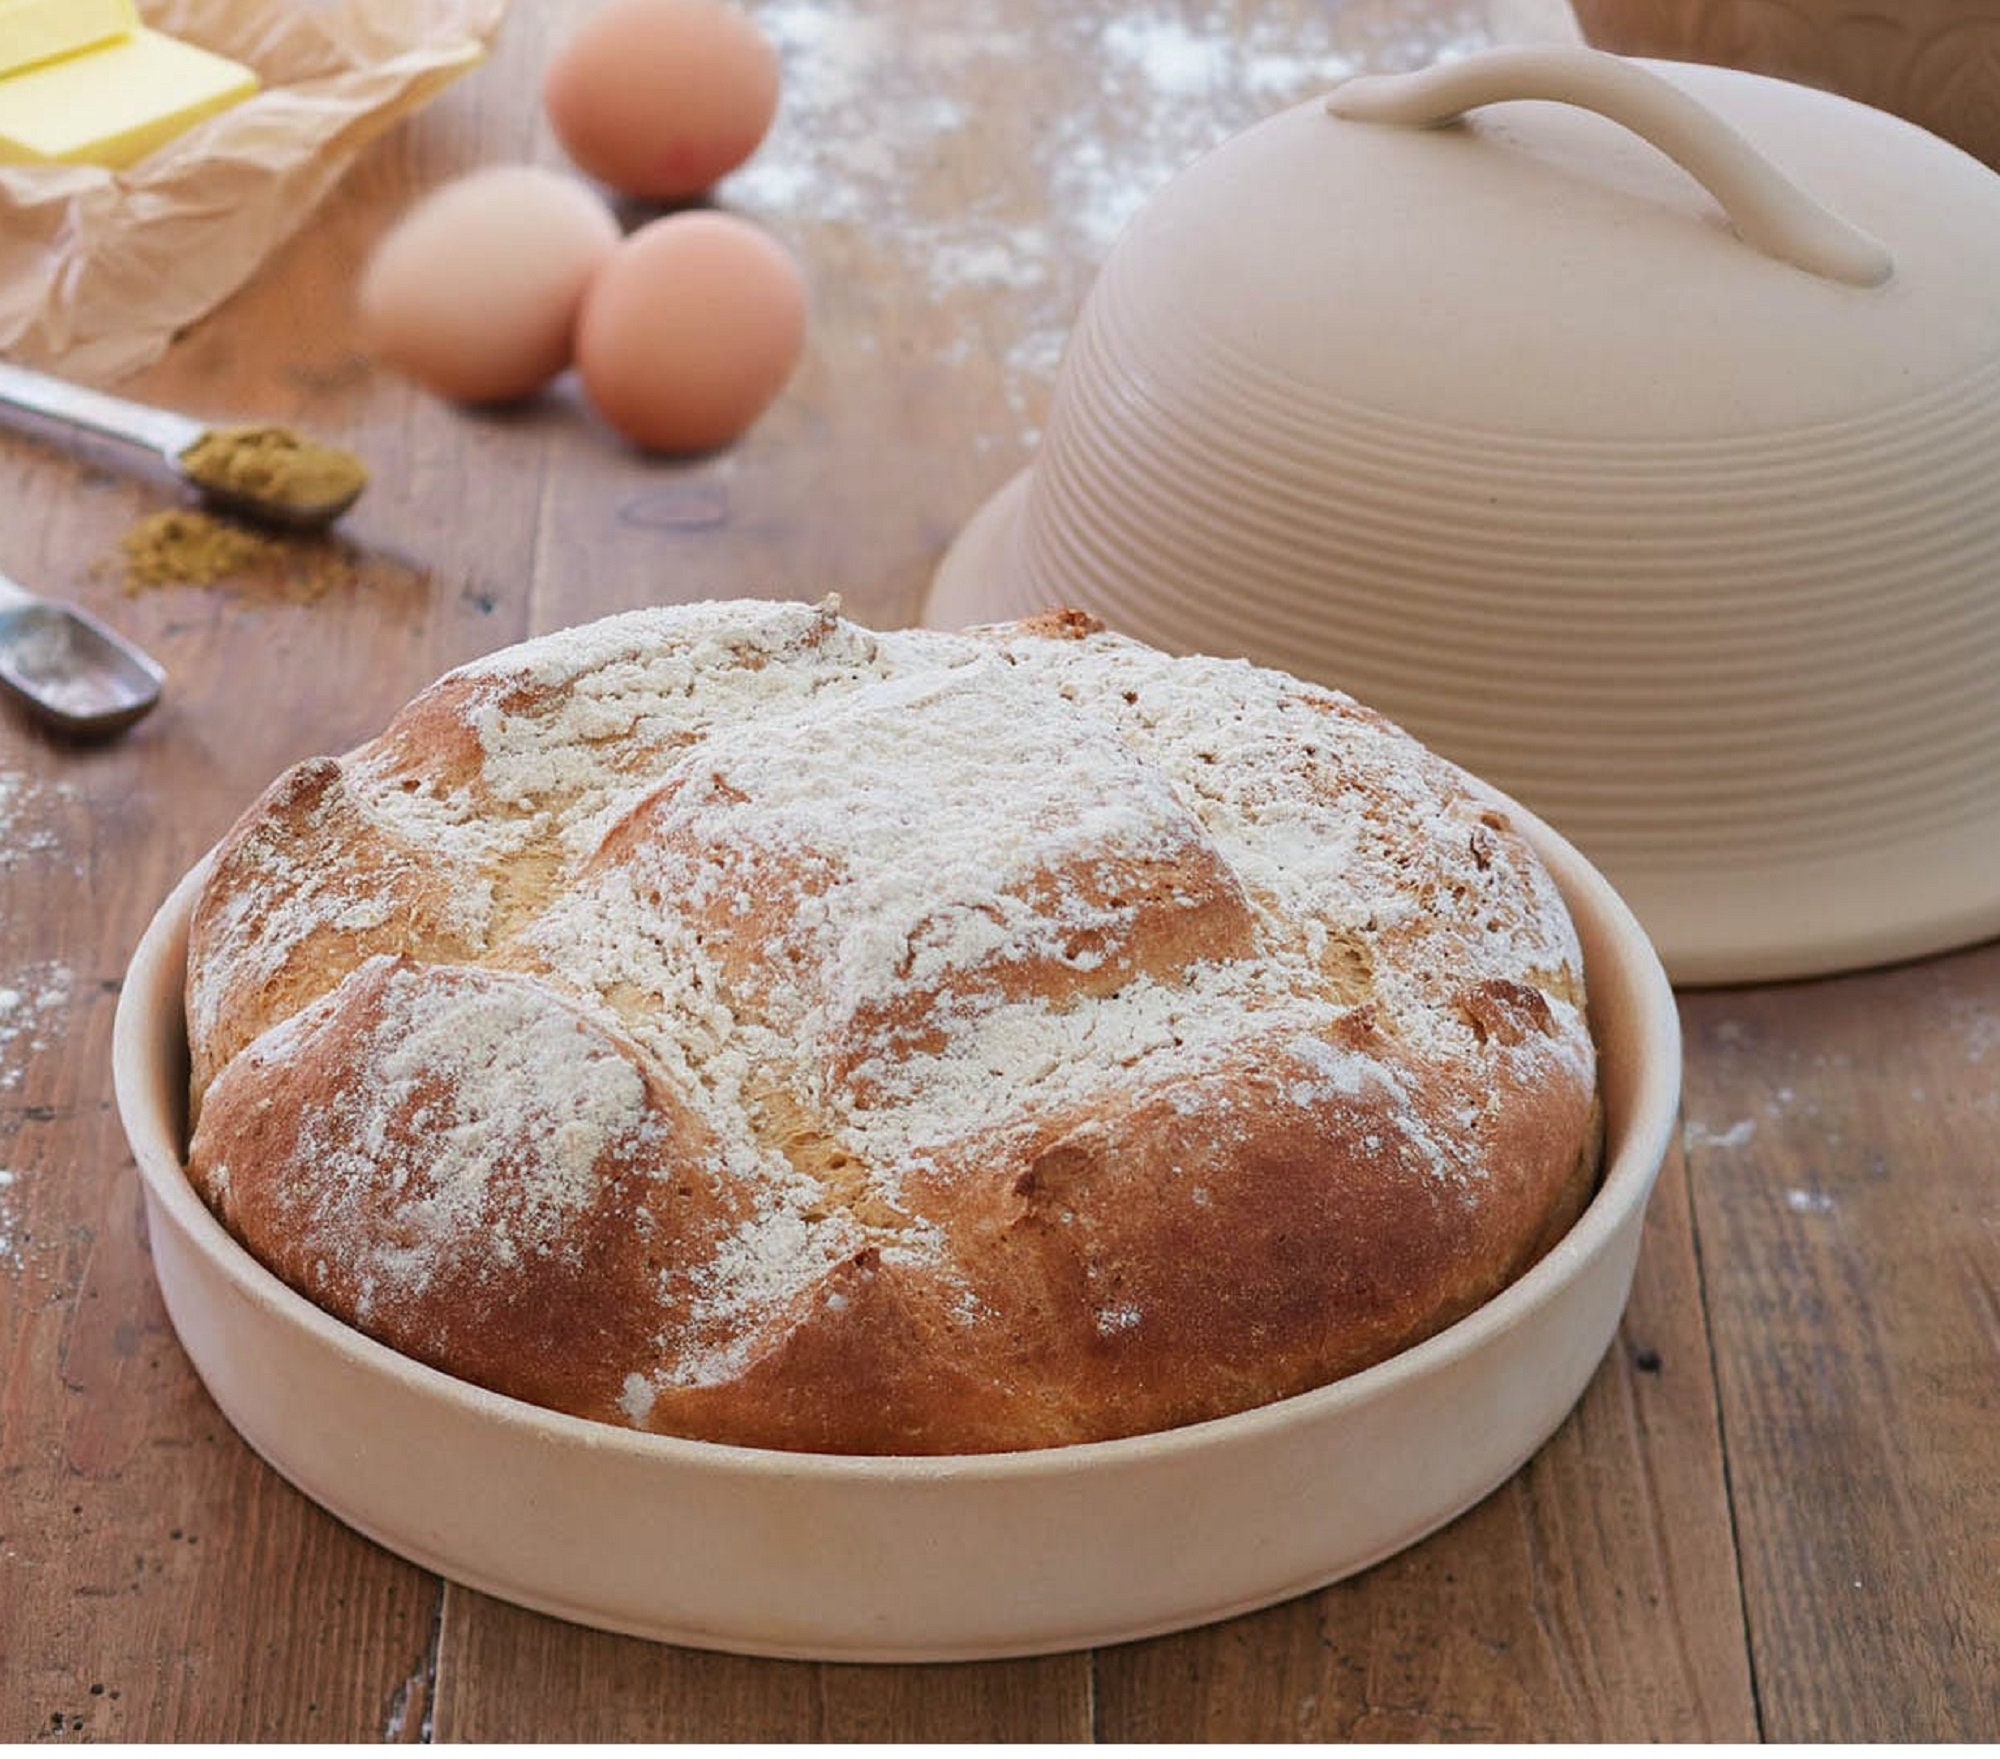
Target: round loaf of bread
(732,1022)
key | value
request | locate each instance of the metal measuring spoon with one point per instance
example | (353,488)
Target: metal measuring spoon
(80,677)
(163,431)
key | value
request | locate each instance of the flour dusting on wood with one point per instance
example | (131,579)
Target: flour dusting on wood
(873,162)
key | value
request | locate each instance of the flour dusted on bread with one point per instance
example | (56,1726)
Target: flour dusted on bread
(730,1021)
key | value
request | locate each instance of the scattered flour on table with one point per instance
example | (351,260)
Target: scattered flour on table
(1180,87)
(1803,1201)
(1977,1025)
(34,996)
(25,832)
(1695,1135)
(876,158)
(32,1003)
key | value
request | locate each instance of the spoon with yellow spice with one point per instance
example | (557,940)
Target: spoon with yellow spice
(270,474)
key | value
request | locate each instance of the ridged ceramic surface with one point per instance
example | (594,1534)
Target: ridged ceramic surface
(1694,651)
(1752,672)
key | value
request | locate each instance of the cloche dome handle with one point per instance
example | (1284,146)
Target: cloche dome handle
(1767,210)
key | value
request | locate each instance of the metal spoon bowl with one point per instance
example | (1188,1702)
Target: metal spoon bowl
(164,431)
(73,673)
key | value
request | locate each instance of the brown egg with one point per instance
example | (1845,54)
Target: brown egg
(475,294)
(659,98)
(690,330)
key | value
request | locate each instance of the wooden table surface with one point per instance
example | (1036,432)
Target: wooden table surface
(1776,1511)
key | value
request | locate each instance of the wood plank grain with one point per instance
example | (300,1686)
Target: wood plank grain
(1592,1597)
(1047,1698)
(146,1552)
(1846,1167)
(155,1578)
(508,1675)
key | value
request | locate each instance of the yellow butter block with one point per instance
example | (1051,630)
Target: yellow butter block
(114,104)
(40,30)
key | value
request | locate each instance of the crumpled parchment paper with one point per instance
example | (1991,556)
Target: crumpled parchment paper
(99,269)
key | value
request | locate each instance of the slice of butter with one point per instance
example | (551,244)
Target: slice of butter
(40,30)
(114,104)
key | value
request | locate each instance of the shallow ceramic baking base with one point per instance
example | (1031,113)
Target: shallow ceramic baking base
(850,1559)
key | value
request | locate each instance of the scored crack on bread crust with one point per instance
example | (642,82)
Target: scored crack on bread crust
(732,1022)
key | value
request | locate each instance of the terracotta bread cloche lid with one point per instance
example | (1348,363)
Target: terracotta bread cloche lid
(1630,431)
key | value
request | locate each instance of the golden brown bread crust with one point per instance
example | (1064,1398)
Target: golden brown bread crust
(729,1022)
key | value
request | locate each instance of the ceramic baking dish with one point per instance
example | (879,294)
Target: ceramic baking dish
(1629,433)
(906,1559)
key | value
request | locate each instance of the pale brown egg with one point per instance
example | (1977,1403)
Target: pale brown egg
(475,293)
(690,330)
(659,98)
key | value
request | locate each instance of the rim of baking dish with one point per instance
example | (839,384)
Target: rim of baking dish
(1631,1165)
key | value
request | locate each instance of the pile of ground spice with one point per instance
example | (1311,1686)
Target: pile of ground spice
(182,547)
(274,465)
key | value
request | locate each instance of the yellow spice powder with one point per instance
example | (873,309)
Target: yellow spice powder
(274,465)
(187,547)
(181,547)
